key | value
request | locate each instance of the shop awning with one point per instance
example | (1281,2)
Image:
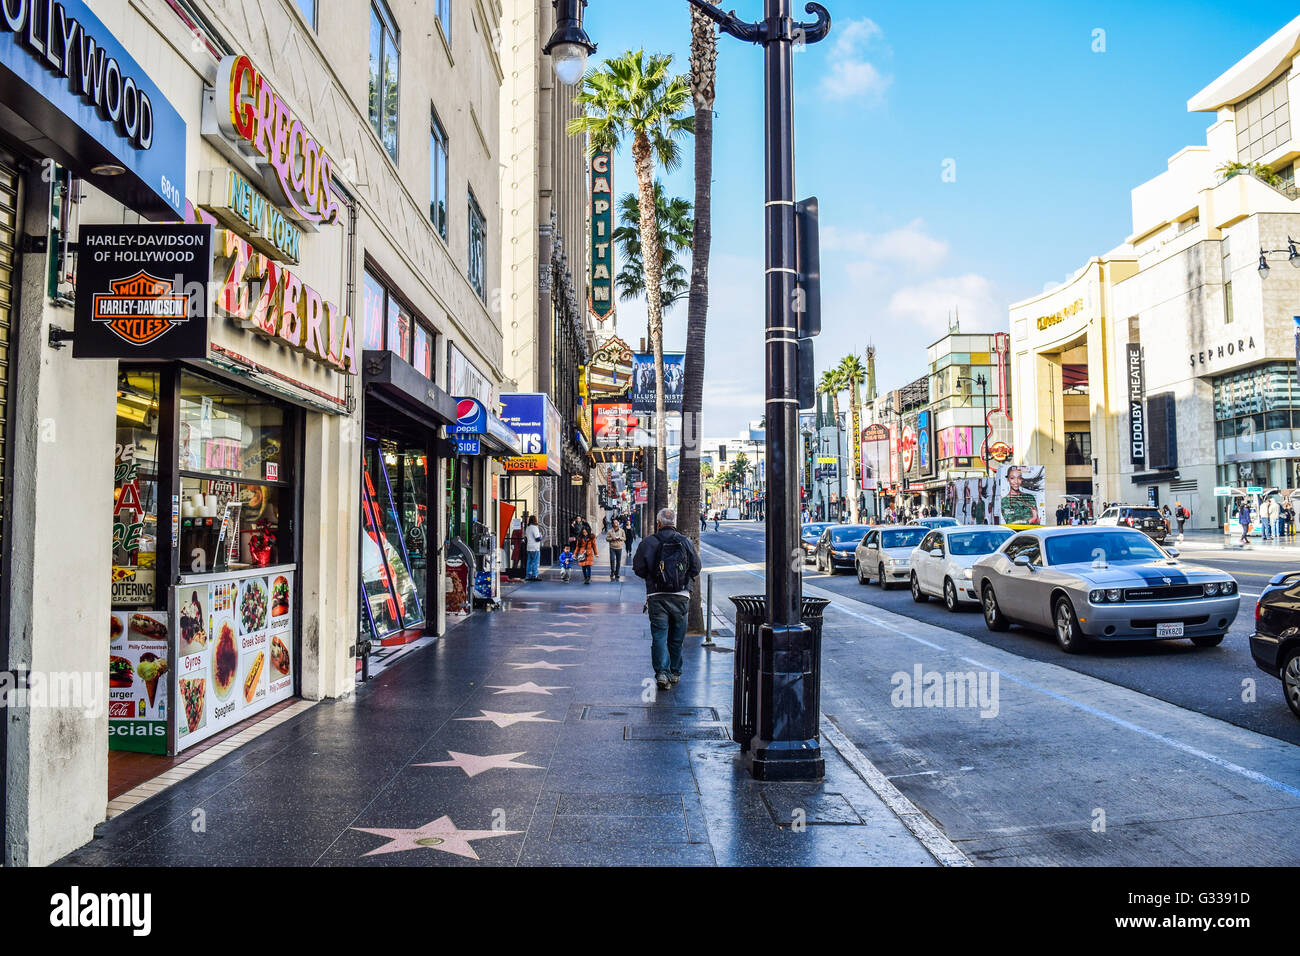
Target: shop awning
(500,438)
(399,383)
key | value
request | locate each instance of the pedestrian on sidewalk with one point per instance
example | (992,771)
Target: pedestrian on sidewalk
(586,553)
(1181,515)
(704,520)
(615,538)
(1243,517)
(668,563)
(533,544)
(1266,520)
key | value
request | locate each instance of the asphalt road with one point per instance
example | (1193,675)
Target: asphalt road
(1208,681)
(1132,756)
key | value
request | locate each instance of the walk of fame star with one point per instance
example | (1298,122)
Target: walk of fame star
(507,720)
(440,834)
(550,648)
(526,688)
(474,765)
(539,666)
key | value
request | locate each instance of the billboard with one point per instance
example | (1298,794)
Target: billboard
(874,448)
(1021,494)
(535,420)
(957,442)
(616,425)
(972,500)
(643,381)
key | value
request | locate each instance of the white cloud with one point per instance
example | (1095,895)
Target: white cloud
(909,245)
(851,74)
(927,305)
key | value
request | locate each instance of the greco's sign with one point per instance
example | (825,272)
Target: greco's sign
(253,116)
(1137,426)
(263,296)
(601,272)
(142,291)
(90,103)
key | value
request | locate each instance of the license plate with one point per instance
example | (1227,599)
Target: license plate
(1169,630)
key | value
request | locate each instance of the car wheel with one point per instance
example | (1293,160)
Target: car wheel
(993,617)
(949,594)
(919,596)
(1291,680)
(1068,635)
(1209,640)
(880,578)
(857,566)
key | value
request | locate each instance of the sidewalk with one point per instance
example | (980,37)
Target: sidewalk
(530,736)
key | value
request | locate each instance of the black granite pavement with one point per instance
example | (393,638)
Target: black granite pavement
(529,736)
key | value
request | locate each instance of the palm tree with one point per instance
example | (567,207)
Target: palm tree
(637,97)
(832,383)
(673,220)
(704,59)
(854,373)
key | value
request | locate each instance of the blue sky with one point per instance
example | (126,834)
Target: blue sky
(1046,139)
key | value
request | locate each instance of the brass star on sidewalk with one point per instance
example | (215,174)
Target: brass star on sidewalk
(474,765)
(550,648)
(525,688)
(508,720)
(440,834)
(539,666)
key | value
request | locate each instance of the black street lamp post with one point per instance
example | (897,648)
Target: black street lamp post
(787,745)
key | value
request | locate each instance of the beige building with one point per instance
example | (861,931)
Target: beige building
(345,154)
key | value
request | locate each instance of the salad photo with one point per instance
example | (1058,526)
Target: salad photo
(252,606)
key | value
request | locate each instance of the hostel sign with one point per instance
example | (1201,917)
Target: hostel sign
(601,271)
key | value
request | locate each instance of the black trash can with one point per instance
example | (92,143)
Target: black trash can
(751,615)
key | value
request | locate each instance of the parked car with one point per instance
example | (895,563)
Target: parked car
(1275,645)
(835,548)
(809,535)
(1144,518)
(886,553)
(1102,584)
(941,563)
(936,522)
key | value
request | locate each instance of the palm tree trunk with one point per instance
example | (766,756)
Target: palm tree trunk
(703,53)
(652,261)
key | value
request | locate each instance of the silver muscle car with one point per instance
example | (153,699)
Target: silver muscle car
(1102,584)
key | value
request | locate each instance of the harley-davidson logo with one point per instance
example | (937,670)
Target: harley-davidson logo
(141,309)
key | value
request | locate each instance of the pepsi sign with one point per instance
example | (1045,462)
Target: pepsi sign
(471,417)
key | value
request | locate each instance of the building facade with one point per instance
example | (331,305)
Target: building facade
(348,193)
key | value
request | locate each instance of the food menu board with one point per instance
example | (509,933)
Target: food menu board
(234,637)
(137,685)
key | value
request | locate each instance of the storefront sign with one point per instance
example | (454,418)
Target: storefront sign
(535,420)
(142,292)
(1137,406)
(616,425)
(1047,321)
(464,379)
(471,418)
(252,115)
(239,205)
(233,647)
(64,73)
(1219,352)
(261,295)
(468,446)
(1000,451)
(601,272)
(907,445)
(137,684)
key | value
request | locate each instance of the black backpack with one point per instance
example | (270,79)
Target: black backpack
(673,569)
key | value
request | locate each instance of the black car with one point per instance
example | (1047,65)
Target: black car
(837,546)
(1144,518)
(1275,645)
(809,535)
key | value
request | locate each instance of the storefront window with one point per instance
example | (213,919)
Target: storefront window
(372,338)
(423,358)
(135,492)
(399,330)
(236,497)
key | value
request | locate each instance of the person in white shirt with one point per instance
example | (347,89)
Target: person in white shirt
(533,544)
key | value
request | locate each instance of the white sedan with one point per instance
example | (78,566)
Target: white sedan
(941,564)
(884,554)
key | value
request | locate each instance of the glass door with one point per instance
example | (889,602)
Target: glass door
(393,588)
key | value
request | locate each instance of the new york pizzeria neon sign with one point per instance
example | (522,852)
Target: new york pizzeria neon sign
(261,123)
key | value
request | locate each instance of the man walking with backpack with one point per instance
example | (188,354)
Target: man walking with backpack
(668,562)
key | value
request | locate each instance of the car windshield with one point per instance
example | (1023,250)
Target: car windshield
(902,538)
(977,542)
(852,533)
(1112,547)
(939,522)
(813,530)
(1143,513)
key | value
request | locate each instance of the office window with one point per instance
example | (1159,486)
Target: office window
(384,71)
(477,249)
(1263,121)
(308,8)
(1227,303)
(443,10)
(438,177)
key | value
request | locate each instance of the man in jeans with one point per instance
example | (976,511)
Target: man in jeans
(668,563)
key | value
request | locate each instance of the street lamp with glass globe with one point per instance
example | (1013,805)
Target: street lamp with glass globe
(569,46)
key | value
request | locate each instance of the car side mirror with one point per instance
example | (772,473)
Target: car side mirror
(936,553)
(1172,552)
(1022,561)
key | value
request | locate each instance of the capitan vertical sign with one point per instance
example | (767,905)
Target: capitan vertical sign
(601,272)
(1137,425)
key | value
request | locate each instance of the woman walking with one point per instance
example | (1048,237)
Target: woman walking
(533,544)
(586,553)
(615,538)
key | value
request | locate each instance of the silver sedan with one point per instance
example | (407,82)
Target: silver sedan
(1104,584)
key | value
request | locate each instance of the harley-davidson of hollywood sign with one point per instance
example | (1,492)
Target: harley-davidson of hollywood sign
(260,118)
(261,295)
